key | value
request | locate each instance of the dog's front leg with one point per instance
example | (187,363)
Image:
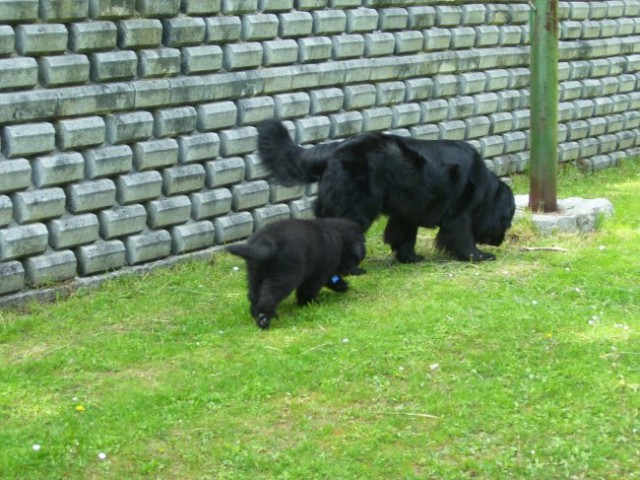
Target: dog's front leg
(455,237)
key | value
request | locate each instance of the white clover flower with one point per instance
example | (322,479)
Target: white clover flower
(102,456)
(36,447)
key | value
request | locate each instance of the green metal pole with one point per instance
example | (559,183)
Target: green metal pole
(544,106)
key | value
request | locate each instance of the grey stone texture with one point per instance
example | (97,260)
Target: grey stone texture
(128,128)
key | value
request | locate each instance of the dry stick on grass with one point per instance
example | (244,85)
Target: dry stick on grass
(410,414)
(543,249)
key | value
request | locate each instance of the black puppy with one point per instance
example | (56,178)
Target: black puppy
(417,183)
(298,254)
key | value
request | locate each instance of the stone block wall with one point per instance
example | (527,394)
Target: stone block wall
(128,127)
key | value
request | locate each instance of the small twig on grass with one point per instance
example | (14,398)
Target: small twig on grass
(313,348)
(543,249)
(272,348)
(410,414)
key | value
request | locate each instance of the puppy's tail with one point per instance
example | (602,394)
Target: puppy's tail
(288,162)
(260,252)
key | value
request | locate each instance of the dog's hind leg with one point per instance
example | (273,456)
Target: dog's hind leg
(456,238)
(401,236)
(309,289)
(271,294)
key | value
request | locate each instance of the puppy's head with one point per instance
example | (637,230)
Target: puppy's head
(353,244)
(494,218)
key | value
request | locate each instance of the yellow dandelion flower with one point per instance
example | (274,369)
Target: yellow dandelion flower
(80,408)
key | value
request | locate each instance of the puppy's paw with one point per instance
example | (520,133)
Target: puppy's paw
(263,320)
(337,284)
(410,258)
(482,257)
(356,271)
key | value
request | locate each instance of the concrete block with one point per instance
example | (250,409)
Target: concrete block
(361,20)
(255,169)
(408,42)
(596,126)
(289,105)
(275,5)
(359,96)
(452,130)
(570,90)
(514,142)
(603,106)
(35,205)
(473,14)
(111,8)
(137,33)
(271,213)
(326,100)
(312,129)
(73,231)
(508,100)
(57,169)
(249,195)
(148,246)
(389,93)
(434,111)
(201,59)
(63,70)
(19,10)
(418,89)
(392,19)
(6,210)
(160,62)
(210,203)
(626,140)
(18,73)
(295,24)
(92,36)
(461,107)
(224,172)
(477,127)
(233,227)
(591,87)
(173,121)
(252,110)
(314,49)
(348,46)
(500,122)
(12,277)
(486,103)
(420,17)
(154,154)
(100,257)
(589,147)
(22,240)
(379,44)
(345,124)
(80,132)
(222,30)
(111,66)
(280,52)
(463,37)
(491,146)
(193,236)
(437,39)
(239,56)
(472,82)
(28,139)
(329,22)
(235,7)
(107,161)
(280,193)
(425,132)
(197,147)
(7,40)
(94,99)
(519,78)
(14,175)
(90,196)
(158,8)
(263,26)
(215,116)
(445,85)
(168,211)
(129,127)
(521,119)
(40,39)
(448,16)
(377,119)
(310,4)
(405,115)
(122,221)
(61,10)
(183,31)
(301,208)
(615,123)
(238,141)
(50,268)
(584,108)
(183,179)
(138,187)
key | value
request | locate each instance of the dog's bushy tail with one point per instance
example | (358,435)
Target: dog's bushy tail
(261,251)
(288,162)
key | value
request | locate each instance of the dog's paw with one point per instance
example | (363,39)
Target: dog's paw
(482,257)
(263,320)
(337,284)
(411,258)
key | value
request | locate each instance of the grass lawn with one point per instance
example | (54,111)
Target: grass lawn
(523,368)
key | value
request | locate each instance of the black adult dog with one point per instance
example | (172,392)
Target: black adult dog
(298,254)
(417,183)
